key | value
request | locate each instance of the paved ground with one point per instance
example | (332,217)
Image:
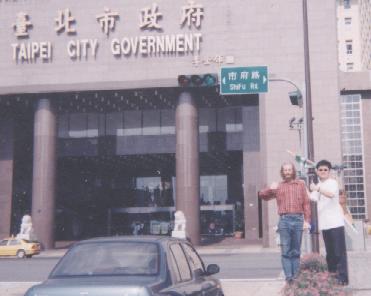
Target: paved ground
(359,267)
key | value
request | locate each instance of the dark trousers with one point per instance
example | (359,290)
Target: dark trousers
(336,254)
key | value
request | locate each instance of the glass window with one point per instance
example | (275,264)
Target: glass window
(132,123)
(352,152)
(151,122)
(4,242)
(109,258)
(148,191)
(102,124)
(193,258)
(174,268)
(213,189)
(63,126)
(14,242)
(221,119)
(93,125)
(114,124)
(167,122)
(233,119)
(348,20)
(347,4)
(181,262)
(207,120)
(78,125)
(349,46)
(350,66)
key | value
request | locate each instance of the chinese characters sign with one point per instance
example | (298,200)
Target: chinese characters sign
(109,20)
(244,80)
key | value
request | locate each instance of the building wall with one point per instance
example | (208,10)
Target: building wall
(366,117)
(358,30)
(234,33)
(349,32)
(365,12)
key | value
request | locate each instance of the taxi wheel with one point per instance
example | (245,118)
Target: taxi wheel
(21,254)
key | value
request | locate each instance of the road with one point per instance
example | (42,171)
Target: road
(232,266)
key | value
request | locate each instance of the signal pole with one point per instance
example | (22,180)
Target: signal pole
(309,147)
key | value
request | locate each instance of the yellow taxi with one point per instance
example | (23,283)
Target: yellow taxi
(21,248)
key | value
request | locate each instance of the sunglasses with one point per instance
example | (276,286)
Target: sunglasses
(323,170)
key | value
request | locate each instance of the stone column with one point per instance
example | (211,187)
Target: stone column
(6,174)
(187,165)
(44,171)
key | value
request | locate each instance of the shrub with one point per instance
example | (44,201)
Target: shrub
(314,279)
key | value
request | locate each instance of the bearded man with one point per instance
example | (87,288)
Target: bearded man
(293,207)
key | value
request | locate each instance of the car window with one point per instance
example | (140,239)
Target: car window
(109,258)
(193,258)
(4,242)
(14,242)
(181,262)
(173,267)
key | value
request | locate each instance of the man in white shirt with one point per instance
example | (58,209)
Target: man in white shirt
(331,221)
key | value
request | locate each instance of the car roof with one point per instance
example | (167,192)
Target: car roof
(131,238)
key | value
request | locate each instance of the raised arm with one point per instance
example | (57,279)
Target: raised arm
(269,192)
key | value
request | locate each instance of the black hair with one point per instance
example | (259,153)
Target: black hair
(324,162)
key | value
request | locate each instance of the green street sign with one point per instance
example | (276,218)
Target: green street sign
(243,80)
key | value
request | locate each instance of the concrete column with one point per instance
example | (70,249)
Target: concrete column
(187,165)
(6,174)
(44,171)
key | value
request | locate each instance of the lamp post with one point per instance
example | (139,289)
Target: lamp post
(308,123)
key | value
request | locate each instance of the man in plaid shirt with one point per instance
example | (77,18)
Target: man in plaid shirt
(294,210)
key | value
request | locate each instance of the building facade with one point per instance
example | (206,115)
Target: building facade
(354,35)
(355,130)
(99,137)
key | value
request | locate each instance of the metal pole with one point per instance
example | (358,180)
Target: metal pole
(309,125)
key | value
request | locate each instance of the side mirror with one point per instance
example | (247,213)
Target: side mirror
(212,269)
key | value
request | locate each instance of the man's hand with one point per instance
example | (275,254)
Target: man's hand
(313,187)
(274,185)
(306,225)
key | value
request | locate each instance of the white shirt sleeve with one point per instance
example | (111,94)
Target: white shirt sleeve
(331,186)
(314,196)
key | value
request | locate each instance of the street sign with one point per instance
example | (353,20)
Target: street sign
(243,80)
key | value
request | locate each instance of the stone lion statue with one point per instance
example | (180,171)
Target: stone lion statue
(179,225)
(26,231)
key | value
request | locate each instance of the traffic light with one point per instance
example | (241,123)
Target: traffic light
(197,80)
(296,98)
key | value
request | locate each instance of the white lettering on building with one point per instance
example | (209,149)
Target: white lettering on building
(192,14)
(64,22)
(31,51)
(152,45)
(22,25)
(83,48)
(107,20)
(150,17)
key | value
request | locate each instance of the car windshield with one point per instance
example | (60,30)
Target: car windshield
(109,258)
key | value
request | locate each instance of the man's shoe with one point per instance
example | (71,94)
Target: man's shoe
(290,281)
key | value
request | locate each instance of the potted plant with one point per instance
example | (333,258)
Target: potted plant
(239,221)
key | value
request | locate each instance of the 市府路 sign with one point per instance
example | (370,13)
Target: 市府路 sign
(243,80)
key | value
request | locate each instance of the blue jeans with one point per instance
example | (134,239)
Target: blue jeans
(290,227)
